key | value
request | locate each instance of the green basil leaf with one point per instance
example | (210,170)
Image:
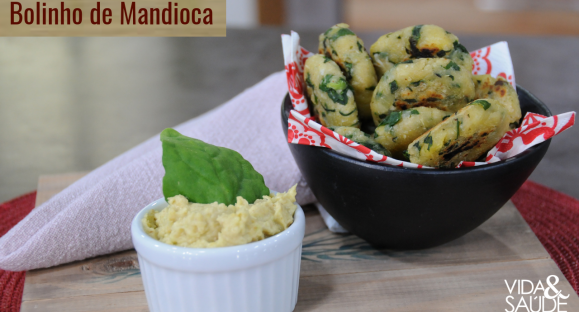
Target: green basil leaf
(452,65)
(416,32)
(381,55)
(392,119)
(327,109)
(309,81)
(342,32)
(376,147)
(483,103)
(414,112)
(325,81)
(338,85)
(348,70)
(393,86)
(337,91)
(413,40)
(417,145)
(459,47)
(428,140)
(348,114)
(340,98)
(205,173)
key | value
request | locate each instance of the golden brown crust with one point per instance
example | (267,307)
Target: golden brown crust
(465,136)
(487,87)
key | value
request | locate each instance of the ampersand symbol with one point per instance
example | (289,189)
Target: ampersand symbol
(552,286)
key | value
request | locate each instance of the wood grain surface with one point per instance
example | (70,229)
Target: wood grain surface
(339,272)
(50,185)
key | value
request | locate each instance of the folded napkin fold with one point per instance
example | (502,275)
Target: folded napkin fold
(330,222)
(92,217)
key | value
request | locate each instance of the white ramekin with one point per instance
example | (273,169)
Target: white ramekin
(256,277)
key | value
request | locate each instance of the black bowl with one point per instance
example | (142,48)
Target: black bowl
(399,208)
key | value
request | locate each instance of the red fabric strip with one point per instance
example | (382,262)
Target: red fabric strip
(12,283)
(554,217)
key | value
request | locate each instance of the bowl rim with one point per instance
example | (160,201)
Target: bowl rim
(451,171)
(219,258)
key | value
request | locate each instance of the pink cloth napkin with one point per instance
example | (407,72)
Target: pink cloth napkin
(92,217)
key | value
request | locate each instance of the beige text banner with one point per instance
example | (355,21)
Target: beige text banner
(180,18)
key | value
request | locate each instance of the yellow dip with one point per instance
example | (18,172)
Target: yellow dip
(188,224)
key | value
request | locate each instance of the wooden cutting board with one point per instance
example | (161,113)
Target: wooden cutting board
(338,273)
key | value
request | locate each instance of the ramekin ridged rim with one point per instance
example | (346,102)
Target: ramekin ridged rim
(215,259)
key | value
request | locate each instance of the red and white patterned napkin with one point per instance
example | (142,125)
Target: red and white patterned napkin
(534,130)
(494,60)
(294,57)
